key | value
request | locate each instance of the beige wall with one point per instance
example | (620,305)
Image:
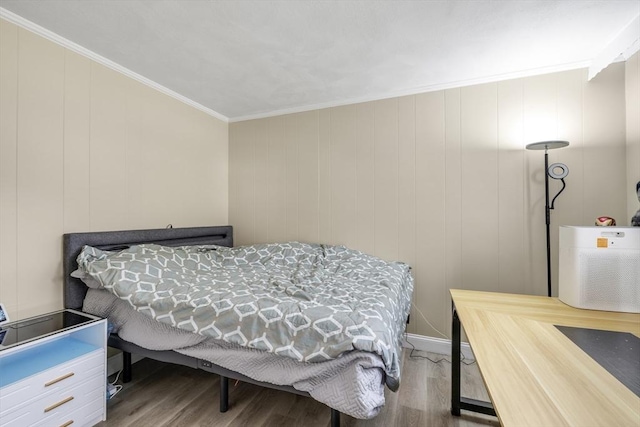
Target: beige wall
(84,148)
(440,180)
(632,85)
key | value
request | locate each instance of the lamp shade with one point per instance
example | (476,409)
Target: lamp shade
(546,145)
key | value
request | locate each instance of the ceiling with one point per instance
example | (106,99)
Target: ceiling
(244,59)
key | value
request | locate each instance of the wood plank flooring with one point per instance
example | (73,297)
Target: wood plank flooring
(163,395)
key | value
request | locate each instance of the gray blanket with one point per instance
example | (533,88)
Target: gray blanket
(352,384)
(310,303)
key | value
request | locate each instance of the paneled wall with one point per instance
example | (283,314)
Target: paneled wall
(632,86)
(440,180)
(83,148)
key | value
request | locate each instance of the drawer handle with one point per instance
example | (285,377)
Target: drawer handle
(57,380)
(55,405)
(67,424)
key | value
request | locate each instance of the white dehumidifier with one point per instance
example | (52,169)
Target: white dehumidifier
(599,268)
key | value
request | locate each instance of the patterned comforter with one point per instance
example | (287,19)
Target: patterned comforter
(304,301)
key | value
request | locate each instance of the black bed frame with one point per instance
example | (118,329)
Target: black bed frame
(75,291)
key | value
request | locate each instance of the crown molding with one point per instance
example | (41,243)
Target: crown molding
(74,47)
(418,90)
(621,48)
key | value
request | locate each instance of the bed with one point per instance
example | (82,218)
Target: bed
(352,382)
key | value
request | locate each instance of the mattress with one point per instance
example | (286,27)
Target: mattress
(352,384)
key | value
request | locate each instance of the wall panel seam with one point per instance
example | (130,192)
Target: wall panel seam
(444,179)
(523,161)
(90,138)
(415,196)
(128,102)
(398,180)
(268,178)
(497,104)
(318,166)
(461,284)
(252,141)
(286,131)
(17,152)
(297,136)
(582,104)
(374,177)
(330,177)
(64,139)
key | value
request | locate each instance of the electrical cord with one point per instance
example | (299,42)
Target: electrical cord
(117,376)
(116,387)
(427,320)
(413,348)
(434,361)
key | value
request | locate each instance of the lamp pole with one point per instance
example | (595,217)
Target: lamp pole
(547,211)
(549,172)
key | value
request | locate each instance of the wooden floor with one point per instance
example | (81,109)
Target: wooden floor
(170,395)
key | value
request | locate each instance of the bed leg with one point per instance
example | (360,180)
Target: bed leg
(126,367)
(335,418)
(224,394)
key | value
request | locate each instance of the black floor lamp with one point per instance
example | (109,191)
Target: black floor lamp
(555,171)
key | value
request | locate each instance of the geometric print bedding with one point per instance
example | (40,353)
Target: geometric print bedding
(309,302)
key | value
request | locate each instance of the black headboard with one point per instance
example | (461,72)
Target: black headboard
(75,290)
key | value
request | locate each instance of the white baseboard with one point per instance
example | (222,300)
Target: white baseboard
(114,363)
(436,345)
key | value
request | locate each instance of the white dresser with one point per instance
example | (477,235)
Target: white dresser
(53,370)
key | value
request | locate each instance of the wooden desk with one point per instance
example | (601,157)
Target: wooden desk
(534,374)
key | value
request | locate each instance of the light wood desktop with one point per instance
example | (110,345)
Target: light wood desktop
(534,374)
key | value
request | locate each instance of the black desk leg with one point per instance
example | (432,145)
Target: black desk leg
(458,402)
(455,362)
